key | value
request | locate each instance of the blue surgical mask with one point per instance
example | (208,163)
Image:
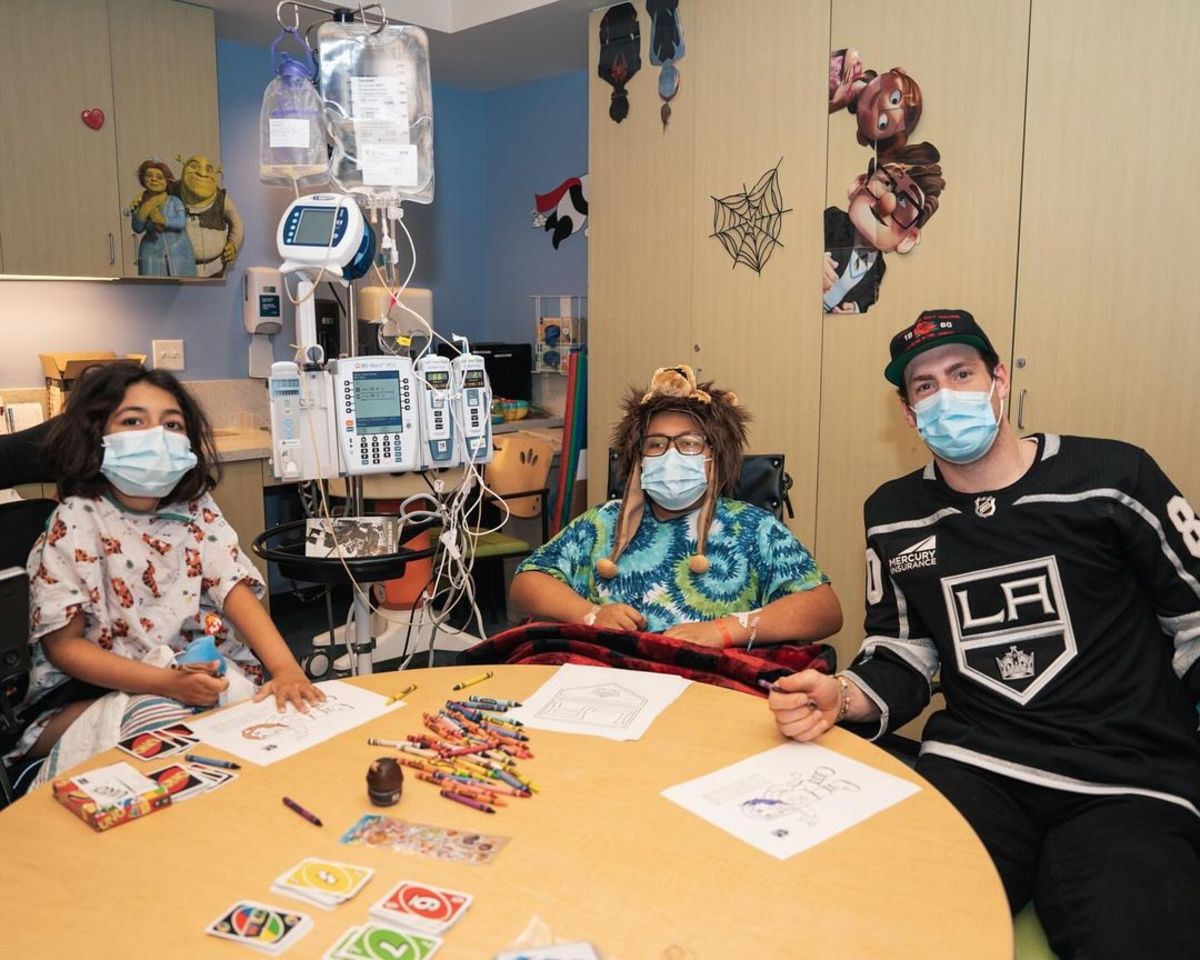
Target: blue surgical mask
(958,425)
(146,463)
(674,481)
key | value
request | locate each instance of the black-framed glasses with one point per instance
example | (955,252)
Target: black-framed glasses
(909,197)
(688,444)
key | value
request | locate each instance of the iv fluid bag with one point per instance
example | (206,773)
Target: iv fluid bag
(291,132)
(378,111)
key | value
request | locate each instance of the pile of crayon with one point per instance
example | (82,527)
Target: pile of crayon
(470,753)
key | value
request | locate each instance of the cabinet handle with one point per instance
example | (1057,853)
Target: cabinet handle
(1021,409)
(112,250)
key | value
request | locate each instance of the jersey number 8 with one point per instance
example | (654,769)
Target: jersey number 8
(1186,522)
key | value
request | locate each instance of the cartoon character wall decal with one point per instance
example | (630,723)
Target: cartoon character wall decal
(564,210)
(620,54)
(666,50)
(889,205)
(160,221)
(887,208)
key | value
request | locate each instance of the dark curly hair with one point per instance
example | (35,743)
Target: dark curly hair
(723,422)
(73,449)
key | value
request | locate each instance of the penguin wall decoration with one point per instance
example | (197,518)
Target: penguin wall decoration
(620,54)
(564,210)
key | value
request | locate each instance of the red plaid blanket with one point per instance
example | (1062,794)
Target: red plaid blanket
(557,643)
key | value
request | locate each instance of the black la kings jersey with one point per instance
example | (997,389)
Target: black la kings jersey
(1063,613)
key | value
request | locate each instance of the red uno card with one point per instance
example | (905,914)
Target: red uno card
(421,906)
(178,781)
(148,746)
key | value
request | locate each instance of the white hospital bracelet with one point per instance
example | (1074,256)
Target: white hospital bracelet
(590,618)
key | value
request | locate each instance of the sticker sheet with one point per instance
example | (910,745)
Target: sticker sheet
(422,839)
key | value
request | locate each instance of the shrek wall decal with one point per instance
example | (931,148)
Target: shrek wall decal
(213,224)
(620,54)
(888,205)
(160,222)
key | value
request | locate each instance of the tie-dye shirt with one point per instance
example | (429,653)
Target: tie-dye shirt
(753,559)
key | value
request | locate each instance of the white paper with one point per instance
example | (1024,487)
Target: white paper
(288,132)
(791,797)
(379,98)
(114,783)
(387,164)
(257,732)
(599,701)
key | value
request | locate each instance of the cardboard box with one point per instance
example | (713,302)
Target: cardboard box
(132,795)
(63,369)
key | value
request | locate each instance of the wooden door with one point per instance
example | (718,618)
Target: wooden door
(969,58)
(60,214)
(164,78)
(1107,320)
(755,81)
(642,218)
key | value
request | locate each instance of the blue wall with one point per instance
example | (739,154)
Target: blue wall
(475,249)
(536,139)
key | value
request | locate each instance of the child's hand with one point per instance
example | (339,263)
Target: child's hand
(194,685)
(290,686)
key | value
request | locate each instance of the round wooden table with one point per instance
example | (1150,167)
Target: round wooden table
(598,854)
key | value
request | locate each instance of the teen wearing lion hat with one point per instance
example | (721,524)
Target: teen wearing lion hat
(697,565)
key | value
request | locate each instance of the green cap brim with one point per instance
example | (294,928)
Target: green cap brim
(894,371)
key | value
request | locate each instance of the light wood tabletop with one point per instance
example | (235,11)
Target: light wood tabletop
(598,854)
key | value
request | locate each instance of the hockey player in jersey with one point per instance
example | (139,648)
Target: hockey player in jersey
(1054,582)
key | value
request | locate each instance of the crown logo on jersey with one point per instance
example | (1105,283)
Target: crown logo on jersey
(1015,665)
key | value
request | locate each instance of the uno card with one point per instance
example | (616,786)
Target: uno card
(180,732)
(212,776)
(579,950)
(421,906)
(325,881)
(260,926)
(380,942)
(179,782)
(148,746)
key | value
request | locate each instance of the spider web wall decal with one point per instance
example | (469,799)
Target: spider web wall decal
(748,224)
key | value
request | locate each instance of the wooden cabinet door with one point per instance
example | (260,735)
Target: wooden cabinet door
(1106,322)
(164,79)
(60,215)
(969,58)
(240,497)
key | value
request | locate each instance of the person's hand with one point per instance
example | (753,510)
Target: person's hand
(828,273)
(619,616)
(228,253)
(290,686)
(808,705)
(708,633)
(195,685)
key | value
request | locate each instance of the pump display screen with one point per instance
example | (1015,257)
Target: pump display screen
(438,379)
(377,402)
(473,378)
(315,226)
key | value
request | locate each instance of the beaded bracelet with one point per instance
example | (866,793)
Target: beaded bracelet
(843,696)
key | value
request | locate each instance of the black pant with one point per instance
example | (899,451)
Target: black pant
(1110,876)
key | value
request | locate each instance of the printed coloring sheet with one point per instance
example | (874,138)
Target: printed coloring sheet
(599,701)
(258,732)
(791,797)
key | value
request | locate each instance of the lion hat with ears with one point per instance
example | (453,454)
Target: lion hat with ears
(719,417)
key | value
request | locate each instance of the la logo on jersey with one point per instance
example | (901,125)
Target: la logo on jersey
(1011,627)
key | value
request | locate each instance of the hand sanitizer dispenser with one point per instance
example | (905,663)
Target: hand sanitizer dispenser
(262,312)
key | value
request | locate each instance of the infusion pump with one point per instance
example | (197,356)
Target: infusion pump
(377,415)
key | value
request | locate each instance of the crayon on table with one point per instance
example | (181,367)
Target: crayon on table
(467,801)
(486,675)
(211,761)
(295,807)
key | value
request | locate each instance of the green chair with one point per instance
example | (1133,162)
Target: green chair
(1029,940)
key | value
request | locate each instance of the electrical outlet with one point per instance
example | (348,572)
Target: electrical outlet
(168,354)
